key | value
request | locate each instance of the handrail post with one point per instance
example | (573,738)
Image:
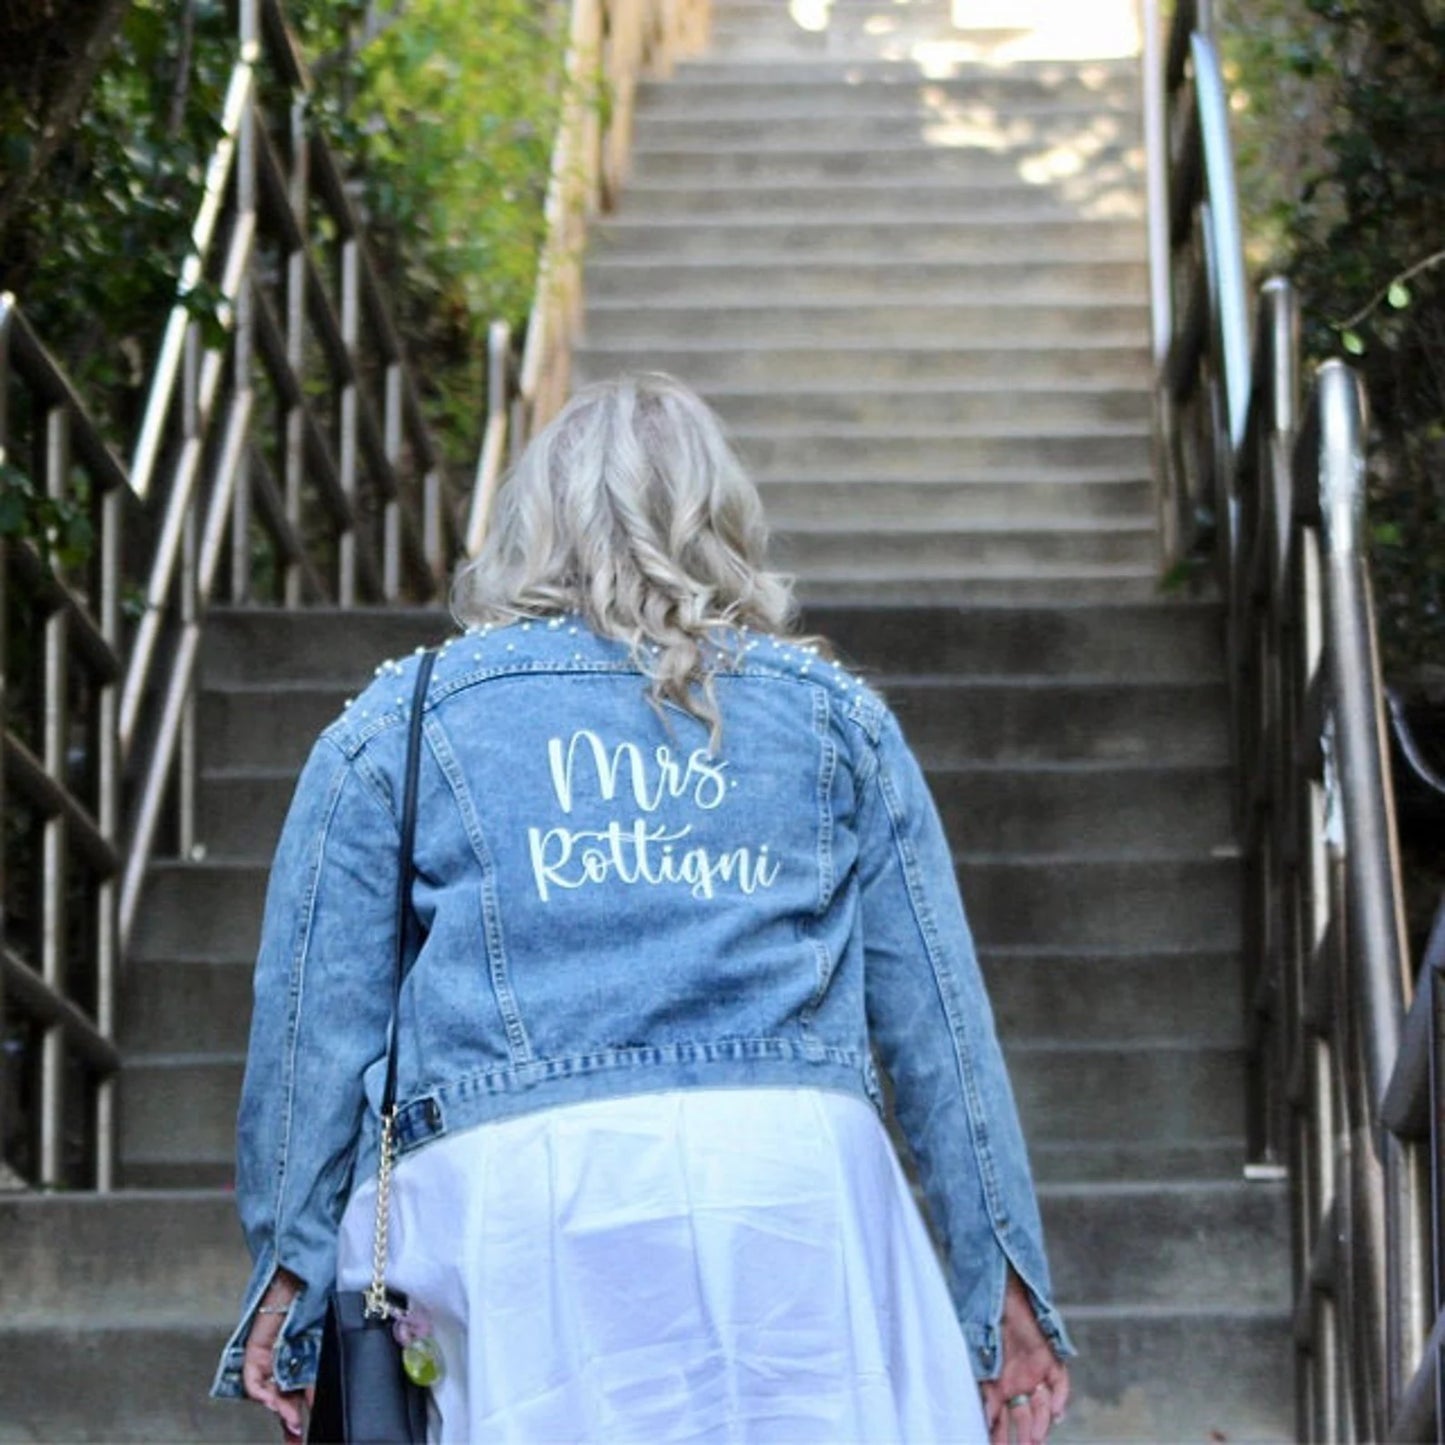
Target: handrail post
(1156,156)
(1376,911)
(1232,289)
(7,317)
(1379,951)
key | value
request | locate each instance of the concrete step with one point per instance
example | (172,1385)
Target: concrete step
(1007,806)
(942,48)
(1126,1091)
(1009,445)
(953,720)
(205,909)
(1177,640)
(1166,1373)
(722,283)
(1173,640)
(1179,1373)
(1088,72)
(320,645)
(268,725)
(243,810)
(258,734)
(943,123)
(889,200)
(164,1145)
(1120,1091)
(1036,586)
(937,416)
(987,502)
(1136,810)
(775,240)
(213,909)
(705,163)
(866,408)
(1067,993)
(1169,640)
(1222,1243)
(1078,995)
(73,1262)
(201,1005)
(1129,1343)
(1199,1159)
(765,85)
(73,1259)
(123,1383)
(661,323)
(903,554)
(709,366)
(1166,902)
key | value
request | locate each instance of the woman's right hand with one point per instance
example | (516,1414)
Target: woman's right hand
(257,1371)
(1032,1376)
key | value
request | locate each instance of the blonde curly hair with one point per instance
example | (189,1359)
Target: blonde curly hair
(631,509)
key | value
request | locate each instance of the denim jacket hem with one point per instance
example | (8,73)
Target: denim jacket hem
(486,1097)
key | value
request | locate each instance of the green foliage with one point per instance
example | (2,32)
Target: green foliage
(59,527)
(444,121)
(95,254)
(457,106)
(1340,118)
(461,103)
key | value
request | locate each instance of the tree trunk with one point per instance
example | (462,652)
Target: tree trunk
(71,66)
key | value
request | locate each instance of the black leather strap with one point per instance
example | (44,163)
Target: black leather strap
(406,870)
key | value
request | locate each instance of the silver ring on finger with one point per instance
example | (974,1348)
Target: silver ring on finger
(1015,1401)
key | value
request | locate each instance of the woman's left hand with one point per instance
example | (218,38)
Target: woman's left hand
(257,1368)
(1033,1377)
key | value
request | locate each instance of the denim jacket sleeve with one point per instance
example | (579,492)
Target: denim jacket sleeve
(932,1027)
(325,953)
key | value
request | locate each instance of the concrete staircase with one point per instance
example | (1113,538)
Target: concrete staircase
(911,279)
(905,260)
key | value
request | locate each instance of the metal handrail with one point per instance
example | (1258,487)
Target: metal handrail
(1276,499)
(370,475)
(76,627)
(622,41)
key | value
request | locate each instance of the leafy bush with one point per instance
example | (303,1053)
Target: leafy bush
(1340,117)
(444,120)
(1340,123)
(455,113)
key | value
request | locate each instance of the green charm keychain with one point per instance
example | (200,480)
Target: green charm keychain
(421,1356)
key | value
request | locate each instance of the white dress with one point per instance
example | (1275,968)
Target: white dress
(732,1265)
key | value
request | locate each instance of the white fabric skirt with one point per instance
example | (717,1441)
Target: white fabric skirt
(736,1265)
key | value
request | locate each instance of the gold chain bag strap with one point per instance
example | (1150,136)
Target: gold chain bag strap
(363,1393)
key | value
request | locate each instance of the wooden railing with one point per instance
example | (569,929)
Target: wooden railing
(614,43)
(60,795)
(293,448)
(283,460)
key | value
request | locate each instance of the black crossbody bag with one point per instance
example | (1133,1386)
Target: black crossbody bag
(363,1395)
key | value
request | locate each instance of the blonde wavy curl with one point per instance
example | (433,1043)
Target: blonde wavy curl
(631,509)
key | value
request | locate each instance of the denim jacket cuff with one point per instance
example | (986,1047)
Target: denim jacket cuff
(985,1342)
(295,1363)
(297,1353)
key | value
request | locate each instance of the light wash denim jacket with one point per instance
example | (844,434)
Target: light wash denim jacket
(607,907)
